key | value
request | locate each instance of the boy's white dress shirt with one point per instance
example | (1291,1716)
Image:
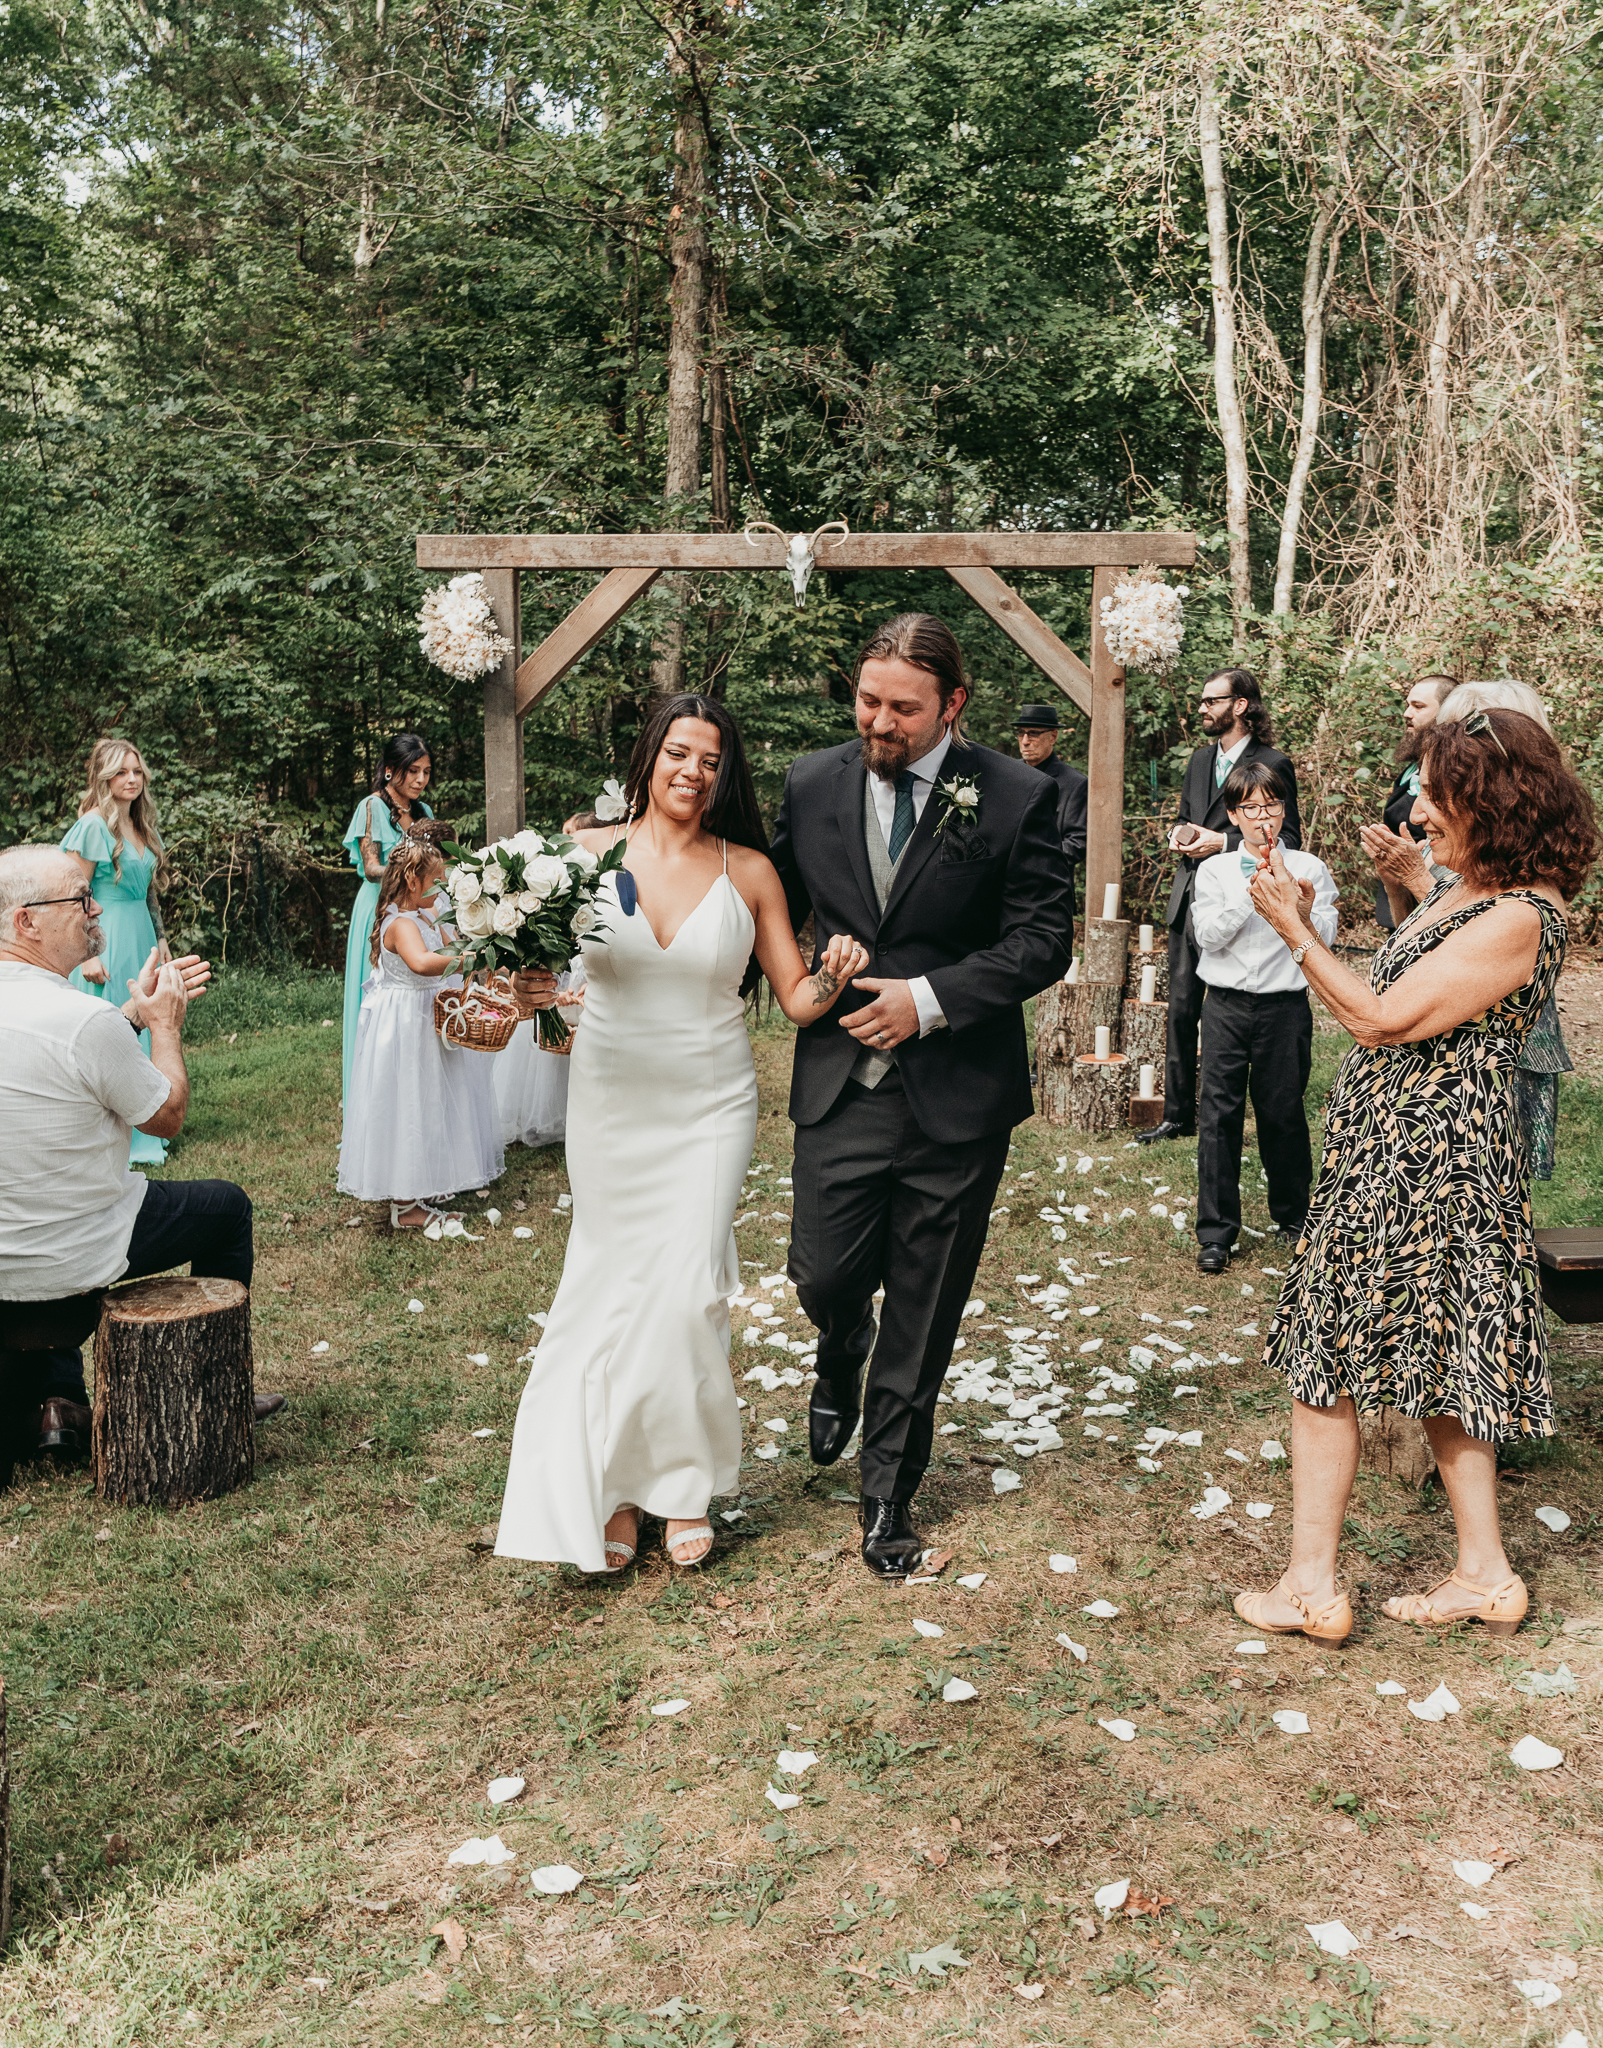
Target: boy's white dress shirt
(1239,949)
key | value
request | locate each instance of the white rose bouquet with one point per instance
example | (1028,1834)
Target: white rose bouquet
(1143,623)
(526,902)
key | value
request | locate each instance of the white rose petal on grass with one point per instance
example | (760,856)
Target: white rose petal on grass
(491,1849)
(1290,1722)
(1389,1689)
(1532,1754)
(501,1790)
(1538,1990)
(973,1581)
(777,1424)
(414,1307)
(555,1878)
(1251,1649)
(1271,1449)
(1475,1912)
(928,1628)
(1333,1937)
(522,1230)
(768,1450)
(1103,1610)
(956,1689)
(1030,1990)
(1003,1481)
(1260,1510)
(795,1762)
(1554,1519)
(1440,1704)
(1214,1501)
(1110,1897)
(478,1358)
(1239,1457)
(1076,1650)
(492,1216)
(1191,1438)
(319,1349)
(1121,1731)
(1060,1563)
(783,1800)
(667,1707)
(1474,1873)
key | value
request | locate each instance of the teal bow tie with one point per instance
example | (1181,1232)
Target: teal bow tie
(1249,865)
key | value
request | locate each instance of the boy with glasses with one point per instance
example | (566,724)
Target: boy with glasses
(1257,1027)
(1235,723)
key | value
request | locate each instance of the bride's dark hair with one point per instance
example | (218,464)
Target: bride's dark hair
(731,811)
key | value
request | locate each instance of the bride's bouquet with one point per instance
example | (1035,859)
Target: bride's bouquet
(526,902)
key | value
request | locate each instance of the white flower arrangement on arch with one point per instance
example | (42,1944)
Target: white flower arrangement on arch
(1143,625)
(457,629)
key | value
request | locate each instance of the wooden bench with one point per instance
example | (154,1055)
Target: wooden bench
(1570,1263)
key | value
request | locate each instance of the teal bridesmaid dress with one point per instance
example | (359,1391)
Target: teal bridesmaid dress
(385,834)
(130,933)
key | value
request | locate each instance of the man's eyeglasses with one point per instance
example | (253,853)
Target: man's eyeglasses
(85,900)
(1259,810)
(1227,698)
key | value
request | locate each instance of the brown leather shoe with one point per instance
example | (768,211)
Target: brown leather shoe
(268,1404)
(64,1428)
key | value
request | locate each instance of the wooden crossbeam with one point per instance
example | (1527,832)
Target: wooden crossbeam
(579,632)
(1027,630)
(857,551)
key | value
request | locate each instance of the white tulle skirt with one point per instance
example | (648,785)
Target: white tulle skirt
(420,1117)
(531,1091)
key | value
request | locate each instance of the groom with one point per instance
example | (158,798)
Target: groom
(945,859)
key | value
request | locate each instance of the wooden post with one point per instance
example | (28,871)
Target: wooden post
(1104,830)
(503,729)
(174,1418)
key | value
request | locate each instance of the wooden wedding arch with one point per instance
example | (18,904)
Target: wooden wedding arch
(632,562)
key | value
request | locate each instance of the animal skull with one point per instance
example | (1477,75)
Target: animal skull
(800,549)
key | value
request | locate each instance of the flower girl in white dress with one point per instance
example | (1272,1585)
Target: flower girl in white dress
(420,1117)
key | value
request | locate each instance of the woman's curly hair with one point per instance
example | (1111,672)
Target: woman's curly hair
(1524,814)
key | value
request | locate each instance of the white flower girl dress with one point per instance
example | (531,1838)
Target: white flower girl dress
(420,1117)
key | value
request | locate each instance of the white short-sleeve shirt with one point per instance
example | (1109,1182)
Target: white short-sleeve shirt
(74,1080)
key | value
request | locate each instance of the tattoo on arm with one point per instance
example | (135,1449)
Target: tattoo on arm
(825,987)
(154,906)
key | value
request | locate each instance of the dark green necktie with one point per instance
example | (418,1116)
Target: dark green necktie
(902,819)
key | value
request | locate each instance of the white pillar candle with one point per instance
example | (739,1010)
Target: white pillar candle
(1144,939)
(1104,1042)
(1073,975)
(1149,1076)
(1110,900)
(1149,984)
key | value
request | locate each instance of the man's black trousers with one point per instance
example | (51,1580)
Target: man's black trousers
(1262,1046)
(1186,991)
(878,1204)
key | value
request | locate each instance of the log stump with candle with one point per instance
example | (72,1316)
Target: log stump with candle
(1144,1034)
(1098,1092)
(1054,1012)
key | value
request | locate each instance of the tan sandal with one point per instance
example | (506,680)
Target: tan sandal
(1502,1607)
(693,1534)
(1332,1623)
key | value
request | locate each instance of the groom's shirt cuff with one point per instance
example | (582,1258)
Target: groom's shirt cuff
(930,1017)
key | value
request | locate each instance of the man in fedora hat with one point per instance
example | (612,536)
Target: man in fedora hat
(1036,728)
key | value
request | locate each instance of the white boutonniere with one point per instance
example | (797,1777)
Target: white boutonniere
(958,799)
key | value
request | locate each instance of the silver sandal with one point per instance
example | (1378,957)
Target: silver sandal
(693,1534)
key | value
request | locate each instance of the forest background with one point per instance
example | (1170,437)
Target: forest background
(283,285)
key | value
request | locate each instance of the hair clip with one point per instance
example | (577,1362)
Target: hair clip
(1479,725)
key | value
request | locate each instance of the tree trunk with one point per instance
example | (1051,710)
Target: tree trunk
(1226,395)
(1094,1003)
(1107,951)
(173,1387)
(1318,273)
(1053,1050)
(1099,1093)
(1395,1445)
(1144,1036)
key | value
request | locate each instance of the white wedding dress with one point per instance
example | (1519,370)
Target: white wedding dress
(631,1397)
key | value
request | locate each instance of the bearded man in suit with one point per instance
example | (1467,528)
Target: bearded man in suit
(1235,721)
(947,860)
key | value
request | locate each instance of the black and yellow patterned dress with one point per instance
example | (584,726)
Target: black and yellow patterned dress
(1414,1284)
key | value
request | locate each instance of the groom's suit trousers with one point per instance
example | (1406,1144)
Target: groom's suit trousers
(879,1204)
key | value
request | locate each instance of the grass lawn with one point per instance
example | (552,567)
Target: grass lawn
(246,1736)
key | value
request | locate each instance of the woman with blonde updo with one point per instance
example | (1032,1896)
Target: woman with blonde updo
(119,844)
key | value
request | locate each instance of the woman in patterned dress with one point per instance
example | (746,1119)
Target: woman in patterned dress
(1414,1284)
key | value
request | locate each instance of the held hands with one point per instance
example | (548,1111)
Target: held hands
(1281,899)
(885,1022)
(843,957)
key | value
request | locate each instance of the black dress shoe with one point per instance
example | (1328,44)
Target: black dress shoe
(1213,1258)
(1289,1234)
(832,1416)
(892,1547)
(1166,1129)
(268,1404)
(64,1428)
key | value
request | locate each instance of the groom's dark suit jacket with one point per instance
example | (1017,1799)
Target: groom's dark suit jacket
(985,910)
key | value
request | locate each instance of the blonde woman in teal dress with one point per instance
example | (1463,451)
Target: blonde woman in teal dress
(377,826)
(119,843)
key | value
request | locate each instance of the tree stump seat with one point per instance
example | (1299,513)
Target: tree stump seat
(174,1418)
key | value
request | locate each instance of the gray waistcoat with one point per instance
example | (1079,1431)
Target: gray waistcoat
(871,1067)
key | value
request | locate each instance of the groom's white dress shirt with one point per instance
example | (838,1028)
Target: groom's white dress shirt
(924,771)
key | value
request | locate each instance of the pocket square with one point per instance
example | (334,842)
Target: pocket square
(963,846)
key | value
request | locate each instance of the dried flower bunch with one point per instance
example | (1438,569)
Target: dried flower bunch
(1142,624)
(458,630)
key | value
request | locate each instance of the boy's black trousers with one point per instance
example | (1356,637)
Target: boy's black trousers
(1260,1046)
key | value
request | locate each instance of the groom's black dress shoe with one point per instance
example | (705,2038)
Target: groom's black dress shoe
(891,1545)
(1160,1134)
(832,1416)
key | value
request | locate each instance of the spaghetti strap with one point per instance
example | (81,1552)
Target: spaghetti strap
(724,843)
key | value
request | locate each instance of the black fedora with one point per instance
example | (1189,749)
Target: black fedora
(1042,716)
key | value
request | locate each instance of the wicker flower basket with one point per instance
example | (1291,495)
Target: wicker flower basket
(476,1019)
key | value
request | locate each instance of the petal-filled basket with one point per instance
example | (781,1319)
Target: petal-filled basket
(476,1019)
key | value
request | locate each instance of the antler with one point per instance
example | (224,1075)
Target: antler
(762,526)
(830,526)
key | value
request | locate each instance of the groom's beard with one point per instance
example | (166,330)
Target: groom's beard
(887,758)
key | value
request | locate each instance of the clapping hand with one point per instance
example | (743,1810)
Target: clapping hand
(193,973)
(1281,899)
(1397,859)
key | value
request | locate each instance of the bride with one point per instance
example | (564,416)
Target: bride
(630,1407)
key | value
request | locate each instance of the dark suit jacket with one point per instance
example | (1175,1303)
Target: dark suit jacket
(1072,788)
(1202,803)
(1399,807)
(984,910)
